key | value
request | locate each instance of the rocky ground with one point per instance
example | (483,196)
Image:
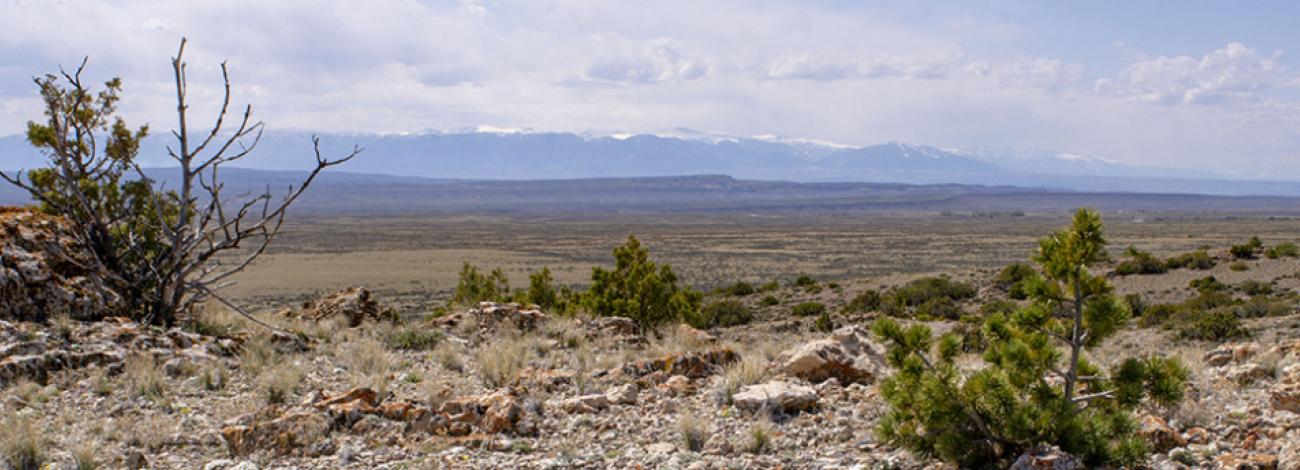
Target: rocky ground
(343,382)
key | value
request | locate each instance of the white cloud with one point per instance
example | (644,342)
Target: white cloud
(809,70)
(1234,74)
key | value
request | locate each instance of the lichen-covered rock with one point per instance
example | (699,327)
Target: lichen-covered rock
(44,269)
(490,314)
(354,303)
(282,434)
(690,364)
(847,355)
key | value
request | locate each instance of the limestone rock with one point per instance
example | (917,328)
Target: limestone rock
(777,395)
(848,355)
(281,435)
(693,365)
(1248,373)
(625,394)
(581,404)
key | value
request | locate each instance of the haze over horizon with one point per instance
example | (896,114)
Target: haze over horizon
(1210,88)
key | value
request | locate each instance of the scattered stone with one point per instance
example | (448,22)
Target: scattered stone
(678,385)
(694,365)
(1248,462)
(354,303)
(782,396)
(491,314)
(1285,397)
(1248,373)
(270,431)
(581,404)
(847,355)
(1047,458)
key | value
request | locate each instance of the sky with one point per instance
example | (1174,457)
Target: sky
(1200,85)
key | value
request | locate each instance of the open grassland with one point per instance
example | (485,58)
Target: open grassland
(415,260)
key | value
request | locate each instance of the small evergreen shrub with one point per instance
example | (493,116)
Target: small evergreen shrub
(824,323)
(1246,250)
(1033,388)
(867,301)
(808,309)
(769,286)
(804,281)
(770,300)
(1239,266)
(413,338)
(1199,260)
(1207,284)
(541,290)
(740,289)
(723,313)
(1215,325)
(1253,288)
(472,286)
(938,308)
(639,289)
(1014,278)
(1140,262)
(1288,250)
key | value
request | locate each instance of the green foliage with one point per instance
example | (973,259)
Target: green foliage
(722,313)
(1014,278)
(1199,260)
(1238,266)
(740,289)
(1136,305)
(804,281)
(1215,325)
(769,286)
(1253,288)
(1246,250)
(938,308)
(770,300)
(867,301)
(473,286)
(413,338)
(824,323)
(639,289)
(1207,284)
(541,290)
(1141,262)
(93,184)
(808,309)
(1280,250)
(1036,386)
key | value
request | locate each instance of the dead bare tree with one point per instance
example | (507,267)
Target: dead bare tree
(191,239)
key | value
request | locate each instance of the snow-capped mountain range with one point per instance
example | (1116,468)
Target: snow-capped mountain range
(520,154)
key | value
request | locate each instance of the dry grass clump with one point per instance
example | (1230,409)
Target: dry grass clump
(27,391)
(63,325)
(100,383)
(83,456)
(213,377)
(144,377)
(280,382)
(449,356)
(670,340)
(758,438)
(500,360)
(214,319)
(257,354)
(567,332)
(749,370)
(369,363)
(695,432)
(22,443)
(413,338)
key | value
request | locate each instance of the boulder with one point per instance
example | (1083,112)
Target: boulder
(781,396)
(848,355)
(693,335)
(625,394)
(1285,397)
(1247,462)
(492,314)
(678,385)
(44,268)
(1157,432)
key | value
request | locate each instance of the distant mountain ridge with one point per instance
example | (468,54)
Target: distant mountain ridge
(497,154)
